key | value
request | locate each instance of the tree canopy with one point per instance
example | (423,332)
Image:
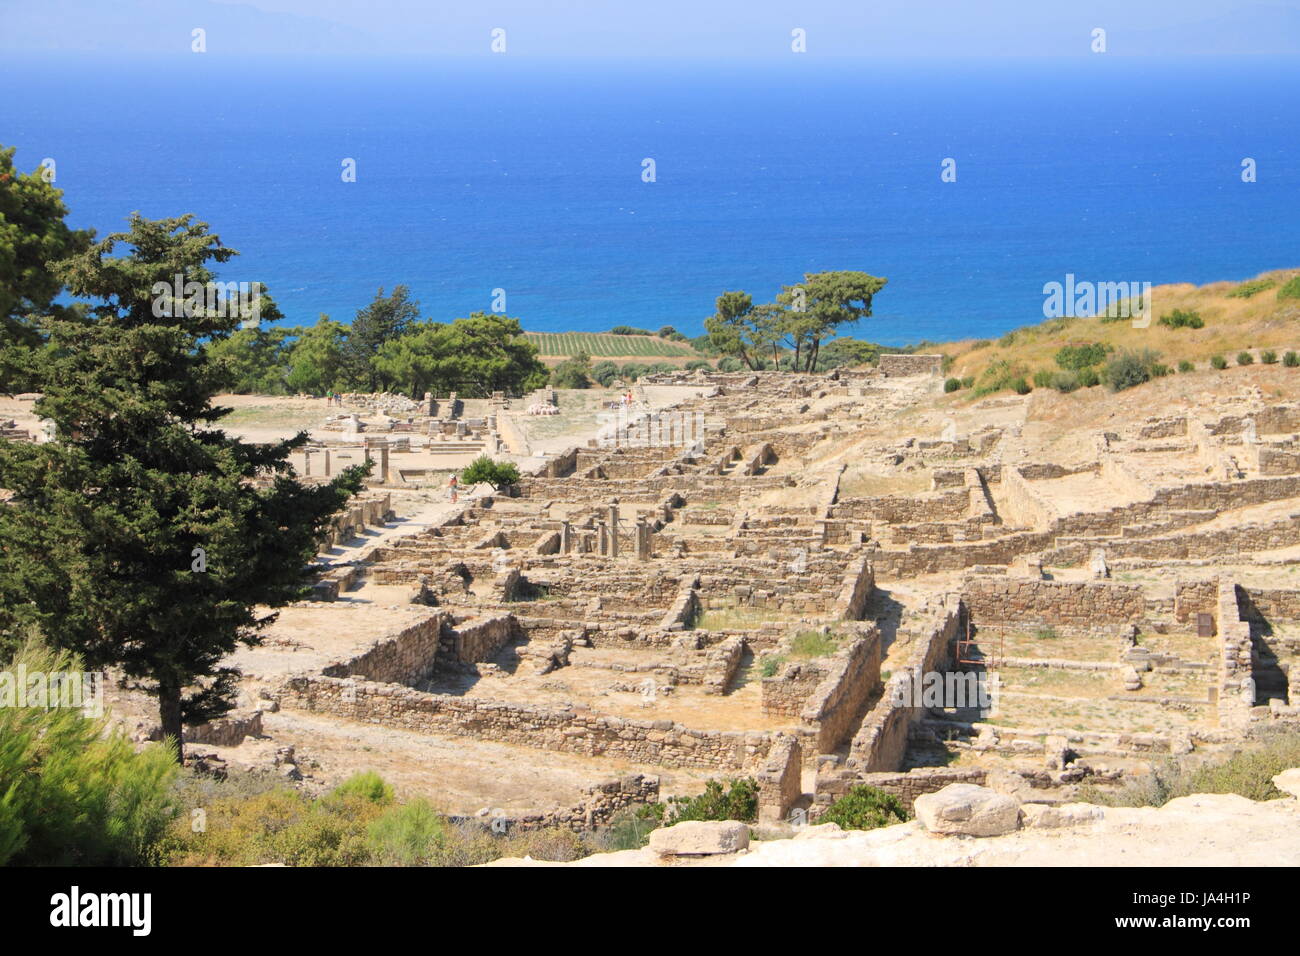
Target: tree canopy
(143,537)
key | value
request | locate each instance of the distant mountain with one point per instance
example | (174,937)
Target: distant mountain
(165,26)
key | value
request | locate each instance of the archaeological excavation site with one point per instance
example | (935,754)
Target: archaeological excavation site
(817,582)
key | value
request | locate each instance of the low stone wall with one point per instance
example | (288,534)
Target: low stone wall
(881,742)
(1236,675)
(899,365)
(399,657)
(1011,601)
(659,742)
(859,582)
(480,640)
(600,804)
(780,781)
(907,786)
(853,676)
(786,694)
(1195,597)
(1274,605)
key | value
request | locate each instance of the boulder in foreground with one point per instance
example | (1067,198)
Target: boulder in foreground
(700,838)
(963,808)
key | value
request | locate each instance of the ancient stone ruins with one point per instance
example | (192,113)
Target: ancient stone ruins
(817,581)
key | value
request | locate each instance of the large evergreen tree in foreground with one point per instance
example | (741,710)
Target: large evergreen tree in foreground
(144,537)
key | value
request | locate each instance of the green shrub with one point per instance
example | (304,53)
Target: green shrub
(1064,382)
(72,794)
(1129,369)
(1219,362)
(1042,378)
(952,385)
(770,664)
(968,381)
(1089,377)
(367,785)
(1072,358)
(999,376)
(1268,357)
(1160,370)
(1020,386)
(1291,360)
(629,330)
(1291,290)
(557,844)
(498,474)
(865,808)
(1247,289)
(1245,358)
(729,363)
(604,373)
(574,372)
(630,829)
(1186,366)
(1182,319)
(813,644)
(1248,773)
(737,800)
(695,364)
(409,835)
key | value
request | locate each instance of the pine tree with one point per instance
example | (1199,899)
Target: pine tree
(143,537)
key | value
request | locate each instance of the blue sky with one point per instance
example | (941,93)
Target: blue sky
(571,29)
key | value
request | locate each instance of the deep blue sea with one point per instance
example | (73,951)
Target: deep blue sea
(527,176)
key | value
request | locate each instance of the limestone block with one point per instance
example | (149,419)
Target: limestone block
(1041,816)
(964,808)
(1288,781)
(700,838)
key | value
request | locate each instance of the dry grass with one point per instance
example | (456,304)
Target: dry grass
(1231,324)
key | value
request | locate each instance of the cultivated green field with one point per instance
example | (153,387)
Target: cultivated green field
(603,343)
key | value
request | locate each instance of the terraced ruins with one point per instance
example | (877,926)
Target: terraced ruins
(762,574)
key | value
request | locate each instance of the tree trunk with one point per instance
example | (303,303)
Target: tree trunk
(169,714)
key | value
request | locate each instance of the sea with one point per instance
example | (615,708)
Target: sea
(580,195)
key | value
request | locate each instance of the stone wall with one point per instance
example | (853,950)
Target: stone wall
(907,786)
(859,582)
(1013,601)
(780,781)
(881,742)
(853,676)
(480,640)
(786,694)
(898,365)
(399,657)
(658,742)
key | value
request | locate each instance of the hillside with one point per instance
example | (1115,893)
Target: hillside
(1256,315)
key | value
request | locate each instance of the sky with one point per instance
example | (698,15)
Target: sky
(571,29)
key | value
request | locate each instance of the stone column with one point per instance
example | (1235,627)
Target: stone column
(566,537)
(613,530)
(642,540)
(306,468)
(327,462)
(383,462)
(602,537)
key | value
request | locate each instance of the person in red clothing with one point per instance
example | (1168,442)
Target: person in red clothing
(453,486)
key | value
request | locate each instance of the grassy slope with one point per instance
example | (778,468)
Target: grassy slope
(1231,325)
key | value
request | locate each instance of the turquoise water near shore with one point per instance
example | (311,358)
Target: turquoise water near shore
(526,176)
